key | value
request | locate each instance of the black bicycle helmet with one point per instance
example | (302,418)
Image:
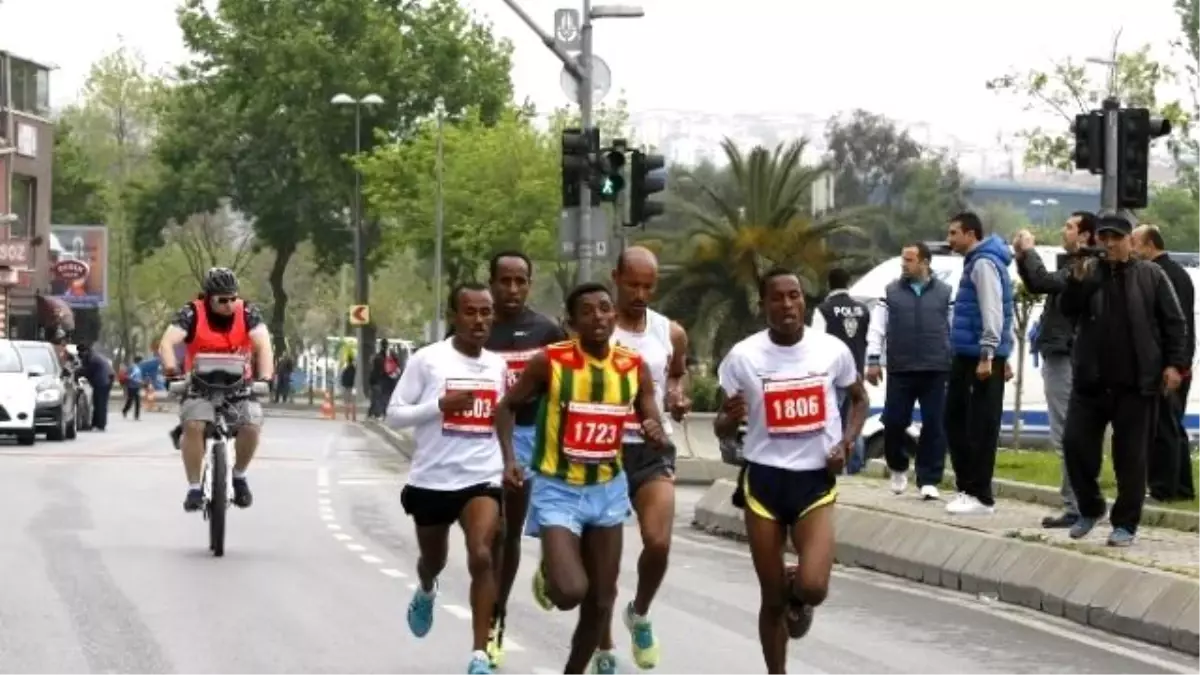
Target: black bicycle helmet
(220,281)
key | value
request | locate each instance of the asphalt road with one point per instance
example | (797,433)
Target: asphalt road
(103,572)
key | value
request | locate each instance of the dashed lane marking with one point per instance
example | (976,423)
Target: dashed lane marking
(458,611)
(393,573)
(333,526)
(371,559)
(342,536)
(355,548)
(322,476)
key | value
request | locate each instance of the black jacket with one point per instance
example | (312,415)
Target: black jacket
(1057,334)
(1159,328)
(1186,292)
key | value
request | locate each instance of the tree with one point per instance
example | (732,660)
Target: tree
(252,119)
(76,197)
(1065,89)
(210,240)
(732,241)
(1026,300)
(1186,149)
(1173,209)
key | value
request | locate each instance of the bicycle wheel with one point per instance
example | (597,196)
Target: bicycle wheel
(218,501)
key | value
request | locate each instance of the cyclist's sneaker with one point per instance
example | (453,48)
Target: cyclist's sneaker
(642,642)
(604,663)
(539,589)
(479,664)
(242,497)
(194,500)
(420,613)
(495,645)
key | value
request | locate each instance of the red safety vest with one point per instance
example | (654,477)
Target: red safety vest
(210,341)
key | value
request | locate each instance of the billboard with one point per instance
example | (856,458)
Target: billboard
(79,265)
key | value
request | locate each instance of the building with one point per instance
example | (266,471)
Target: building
(26,168)
(1040,202)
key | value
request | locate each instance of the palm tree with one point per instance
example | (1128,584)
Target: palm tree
(735,236)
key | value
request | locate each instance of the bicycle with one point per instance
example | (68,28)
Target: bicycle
(223,379)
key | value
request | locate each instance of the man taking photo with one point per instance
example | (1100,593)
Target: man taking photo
(1131,348)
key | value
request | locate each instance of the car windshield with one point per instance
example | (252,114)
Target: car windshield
(9,361)
(37,355)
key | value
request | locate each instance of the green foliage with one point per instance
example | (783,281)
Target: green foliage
(1067,88)
(1174,210)
(705,392)
(76,191)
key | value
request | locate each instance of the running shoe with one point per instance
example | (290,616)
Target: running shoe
(604,663)
(539,589)
(420,611)
(641,639)
(495,645)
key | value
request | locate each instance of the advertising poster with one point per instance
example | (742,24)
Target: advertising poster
(79,265)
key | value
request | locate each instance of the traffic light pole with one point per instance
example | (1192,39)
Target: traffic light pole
(1112,155)
(584,247)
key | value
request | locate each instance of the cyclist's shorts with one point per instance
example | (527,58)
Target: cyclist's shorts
(201,410)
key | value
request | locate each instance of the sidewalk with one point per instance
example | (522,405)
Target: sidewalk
(1148,591)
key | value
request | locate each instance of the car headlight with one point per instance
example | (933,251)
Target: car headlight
(49,395)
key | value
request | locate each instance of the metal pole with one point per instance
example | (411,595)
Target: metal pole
(584,248)
(360,262)
(439,312)
(1112,157)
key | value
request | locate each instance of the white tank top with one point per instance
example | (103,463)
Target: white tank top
(654,346)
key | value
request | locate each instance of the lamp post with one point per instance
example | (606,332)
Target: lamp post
(360,260)
(439,312)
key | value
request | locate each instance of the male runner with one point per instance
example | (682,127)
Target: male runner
(517,334)
(783,383)
(580,498)
(448,393)
(662,344)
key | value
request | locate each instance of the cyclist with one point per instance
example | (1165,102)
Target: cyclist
(218,322)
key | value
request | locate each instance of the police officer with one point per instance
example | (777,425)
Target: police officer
(846,319)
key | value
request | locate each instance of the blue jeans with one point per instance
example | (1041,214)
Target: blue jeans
(903,391)
(857,460)
(556,503)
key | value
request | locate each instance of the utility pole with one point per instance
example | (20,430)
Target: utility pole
(585,249)
(439,312)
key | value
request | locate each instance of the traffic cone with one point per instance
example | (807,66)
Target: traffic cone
(327,411)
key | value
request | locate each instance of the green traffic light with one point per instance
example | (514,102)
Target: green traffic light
(608,188)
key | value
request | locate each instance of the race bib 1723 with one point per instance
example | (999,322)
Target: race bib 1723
(593,431)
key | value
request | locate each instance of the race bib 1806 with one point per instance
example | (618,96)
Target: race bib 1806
(593,431)
(516,363)
(478,420)
(794,406)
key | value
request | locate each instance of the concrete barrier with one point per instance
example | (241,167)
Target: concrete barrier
(1143,603)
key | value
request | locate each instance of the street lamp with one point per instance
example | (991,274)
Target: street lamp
(439,312)
(360,261)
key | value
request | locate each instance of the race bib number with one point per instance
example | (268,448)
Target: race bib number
(516,364)
(794,406)
(479,419)
(593,431)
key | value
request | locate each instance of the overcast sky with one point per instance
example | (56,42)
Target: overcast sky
(918,60)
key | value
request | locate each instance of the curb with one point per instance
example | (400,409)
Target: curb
(1141,603)
(399,442)
(1152,516)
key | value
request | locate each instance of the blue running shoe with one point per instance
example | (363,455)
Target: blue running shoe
(479,664)
(604,663)
(420,611)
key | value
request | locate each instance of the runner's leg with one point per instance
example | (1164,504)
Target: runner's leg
(813,537)
(601,550)
(480,519)
(562,560)
(766,538)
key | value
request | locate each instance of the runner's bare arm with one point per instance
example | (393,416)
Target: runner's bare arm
(533,381)
(647,410)
(677,372)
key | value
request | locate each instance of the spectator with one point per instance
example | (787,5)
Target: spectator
(99,372)
(913,321)
(846,319)
(1054,339)
(283,378)
(1170,460)
(1131,346)
(981,340)
(377,403)
(348,375)
(133,389)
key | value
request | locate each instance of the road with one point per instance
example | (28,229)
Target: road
(103,572)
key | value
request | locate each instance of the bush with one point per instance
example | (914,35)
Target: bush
(704,393)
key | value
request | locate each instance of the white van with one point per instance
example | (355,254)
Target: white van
(1035,427)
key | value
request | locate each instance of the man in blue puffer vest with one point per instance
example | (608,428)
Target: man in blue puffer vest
(981,338)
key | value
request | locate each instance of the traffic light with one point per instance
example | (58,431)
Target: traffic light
(1137,128)
(613,172)
(1089,141)
(579,149)
(643,185)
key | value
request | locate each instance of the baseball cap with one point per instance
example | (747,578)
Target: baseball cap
(1114,222)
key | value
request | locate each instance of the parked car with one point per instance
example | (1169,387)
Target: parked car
(18,395)
(57,390)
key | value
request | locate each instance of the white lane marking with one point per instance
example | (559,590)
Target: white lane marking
(324,501)
(342,536)
(356,548)
(512,646)
(412,587)
(327,517)
(545,671)
(333,526)
(322,476)
(366,481)
(1014,613)
(371,559)
(393,573)
(458,612)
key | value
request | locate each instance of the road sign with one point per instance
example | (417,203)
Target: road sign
(14,253)
(566,30)
(360,315)
(601,80)
(568,232)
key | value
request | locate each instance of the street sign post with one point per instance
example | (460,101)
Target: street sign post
(360,315)
(568,233)
(567,33)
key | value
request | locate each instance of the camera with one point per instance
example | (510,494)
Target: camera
(1097,252)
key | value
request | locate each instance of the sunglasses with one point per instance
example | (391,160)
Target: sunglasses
(227,300)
